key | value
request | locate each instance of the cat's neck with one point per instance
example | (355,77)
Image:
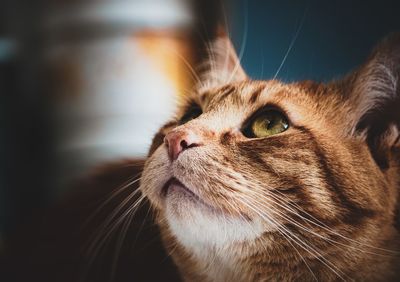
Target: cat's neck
(250,262)
(207,263)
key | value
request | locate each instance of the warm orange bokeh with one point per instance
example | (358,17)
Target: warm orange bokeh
(172,54)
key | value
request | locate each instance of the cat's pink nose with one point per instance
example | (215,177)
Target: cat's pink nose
(180,140)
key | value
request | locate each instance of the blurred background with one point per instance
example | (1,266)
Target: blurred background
(88,82)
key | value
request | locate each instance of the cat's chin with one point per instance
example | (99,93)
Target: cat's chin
(194,227)
(195,222)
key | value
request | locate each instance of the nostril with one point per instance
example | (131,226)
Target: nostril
(188,146)
(184,144)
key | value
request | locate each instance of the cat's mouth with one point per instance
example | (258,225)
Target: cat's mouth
(179,193)
(174,186)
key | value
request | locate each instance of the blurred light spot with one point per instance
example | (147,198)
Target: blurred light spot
(143,13)
(8,49)
(171,54)
(112,93)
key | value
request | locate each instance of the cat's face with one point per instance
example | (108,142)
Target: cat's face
(242,185)
(250,159)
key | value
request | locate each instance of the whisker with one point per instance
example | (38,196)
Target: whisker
(118,245)
(299,242)
(186,63)
(142,225)
(118,209)
(102,237)
(110,197)
(293,41)
(281,204)
(303,245)
(288,206)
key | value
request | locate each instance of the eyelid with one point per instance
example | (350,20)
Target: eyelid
(192,108)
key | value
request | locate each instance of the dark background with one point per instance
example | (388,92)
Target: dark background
(335,36)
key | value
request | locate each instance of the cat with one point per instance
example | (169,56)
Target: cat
(268,181)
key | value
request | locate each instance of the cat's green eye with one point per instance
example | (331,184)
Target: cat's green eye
(266,124)
(193,112)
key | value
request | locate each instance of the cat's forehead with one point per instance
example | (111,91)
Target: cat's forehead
(236,94)
(253,94)
(301,102)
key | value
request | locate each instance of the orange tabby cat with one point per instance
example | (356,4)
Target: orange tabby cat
(262,180)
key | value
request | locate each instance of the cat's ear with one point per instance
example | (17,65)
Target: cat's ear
(374,92)
(221,64)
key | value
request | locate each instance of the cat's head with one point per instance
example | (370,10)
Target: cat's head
(245,160)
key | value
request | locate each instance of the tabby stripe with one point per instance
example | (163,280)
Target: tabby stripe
(356,213)
(225,92)
(256,94)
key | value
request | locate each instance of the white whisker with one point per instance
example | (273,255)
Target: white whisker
(293,41)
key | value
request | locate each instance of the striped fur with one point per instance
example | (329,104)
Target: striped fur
(312,203)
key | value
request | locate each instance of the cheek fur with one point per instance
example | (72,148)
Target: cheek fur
(157,171)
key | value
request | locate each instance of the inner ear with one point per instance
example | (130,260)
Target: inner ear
(381,127)
(374,94)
